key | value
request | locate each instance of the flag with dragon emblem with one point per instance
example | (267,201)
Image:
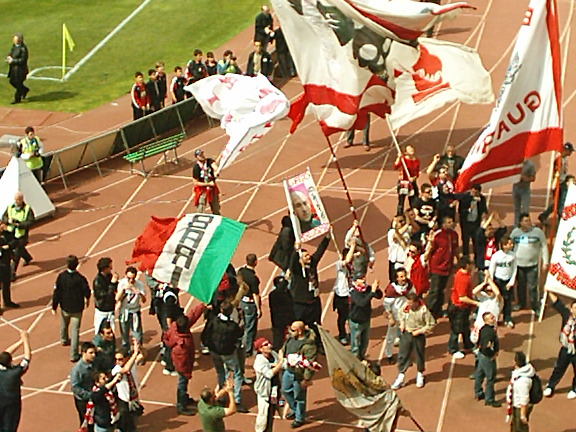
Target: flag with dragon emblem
(358,389)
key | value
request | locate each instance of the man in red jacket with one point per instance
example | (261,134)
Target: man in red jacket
(443,251)
(179,339)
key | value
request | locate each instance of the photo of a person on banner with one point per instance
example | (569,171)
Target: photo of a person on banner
(304,211)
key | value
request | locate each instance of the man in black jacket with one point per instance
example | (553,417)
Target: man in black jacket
(7,245)
(18,61)
(567,353)
(304,284)
(472,210)
(264,26)
(281,311)
(222,337)
(361,295)
(72,294)
(283,248)
(104,287)
(259,62)
(488,347)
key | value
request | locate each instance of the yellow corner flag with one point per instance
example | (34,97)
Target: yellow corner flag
(67,37)
(66,40)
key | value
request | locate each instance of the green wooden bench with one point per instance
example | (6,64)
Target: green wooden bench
(153,148)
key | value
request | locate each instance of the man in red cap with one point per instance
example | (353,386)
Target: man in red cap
(267,365)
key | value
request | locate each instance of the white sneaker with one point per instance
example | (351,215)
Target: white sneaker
(166,372)
(458,355)
(399,382)
(571,394)
(162,362)
(420,380)
(548,392)
(397,342)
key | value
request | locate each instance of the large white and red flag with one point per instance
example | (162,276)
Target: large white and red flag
(527,118)
(246,107)
(349,53)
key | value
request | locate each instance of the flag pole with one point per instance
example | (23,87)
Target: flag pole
(63,51)
(416,423)
(352,209)
(395,141)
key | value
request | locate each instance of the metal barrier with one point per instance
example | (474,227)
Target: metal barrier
(91,152)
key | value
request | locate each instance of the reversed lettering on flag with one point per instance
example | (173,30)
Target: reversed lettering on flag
(527,117)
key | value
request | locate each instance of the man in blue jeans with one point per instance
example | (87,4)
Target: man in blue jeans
(222,338)
(250,303)
(299,349)
(530,247)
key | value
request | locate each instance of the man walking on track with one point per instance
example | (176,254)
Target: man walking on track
(19,217)
(206,192)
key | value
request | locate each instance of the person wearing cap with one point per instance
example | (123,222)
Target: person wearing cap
(18,67)
(267,366)
(561,163)
(30,149)
(206,192)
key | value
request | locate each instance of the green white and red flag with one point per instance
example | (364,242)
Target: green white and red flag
(190,252)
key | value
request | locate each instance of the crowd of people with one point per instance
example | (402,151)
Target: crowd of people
(150,96)
(493,272)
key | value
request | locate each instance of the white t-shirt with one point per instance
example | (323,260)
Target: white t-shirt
(487,304)
(503,266)
(396,253)
(130,300)
(122,386)
(341,284)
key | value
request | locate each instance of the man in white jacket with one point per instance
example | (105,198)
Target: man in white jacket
(267,365)
(518,393)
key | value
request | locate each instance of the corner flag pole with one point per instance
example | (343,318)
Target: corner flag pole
(63,50)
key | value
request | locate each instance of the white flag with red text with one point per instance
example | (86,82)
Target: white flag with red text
(561,277)
(246,107)
(527,118)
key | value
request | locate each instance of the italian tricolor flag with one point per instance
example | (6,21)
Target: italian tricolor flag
(190,252)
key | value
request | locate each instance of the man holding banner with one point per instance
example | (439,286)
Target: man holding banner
(206,193)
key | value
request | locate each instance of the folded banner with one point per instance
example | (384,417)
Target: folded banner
(436,74)
(246,107)
(358,389)
(527,118)
(309,219)
(191,252)
(561,277)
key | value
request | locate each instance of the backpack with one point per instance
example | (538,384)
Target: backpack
(536,393)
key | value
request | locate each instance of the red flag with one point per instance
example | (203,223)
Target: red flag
(527,118)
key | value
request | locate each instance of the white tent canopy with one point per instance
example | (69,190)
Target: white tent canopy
(17,177)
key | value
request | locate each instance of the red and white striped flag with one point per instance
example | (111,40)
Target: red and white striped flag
(344,54)
(527,118)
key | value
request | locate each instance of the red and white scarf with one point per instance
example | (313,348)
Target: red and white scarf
(568,335)
(89,415)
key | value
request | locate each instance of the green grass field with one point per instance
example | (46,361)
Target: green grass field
(166,30)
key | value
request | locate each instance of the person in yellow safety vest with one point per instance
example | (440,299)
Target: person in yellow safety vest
(30,149)
(19,217)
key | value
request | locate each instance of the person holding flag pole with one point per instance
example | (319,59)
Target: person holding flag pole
(66,40)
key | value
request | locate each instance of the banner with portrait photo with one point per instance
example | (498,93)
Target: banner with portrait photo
(309,219)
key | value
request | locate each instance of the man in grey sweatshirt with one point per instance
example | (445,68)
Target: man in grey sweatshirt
(529,246)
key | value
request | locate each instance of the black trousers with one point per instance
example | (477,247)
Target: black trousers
(435,299)
(468,229)
(5,279)
(562,362)
(310,314)
(21,89)
(342,307)
(20,252)
(10,416)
